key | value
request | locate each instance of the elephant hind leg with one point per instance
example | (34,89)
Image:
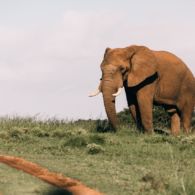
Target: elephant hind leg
(175,120)
(187,118)
(175,123)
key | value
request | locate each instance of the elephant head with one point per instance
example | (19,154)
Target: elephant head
(119,65)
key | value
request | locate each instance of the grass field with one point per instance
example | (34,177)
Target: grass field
(125,162)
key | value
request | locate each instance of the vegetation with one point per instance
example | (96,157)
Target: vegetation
(125,162)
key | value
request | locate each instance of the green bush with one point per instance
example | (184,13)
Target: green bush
(103,126)
(94,148)
(161,139)
(59,133)
(97,138)
(16,133)
(75,141)
(125,117)
(4,135)
(160,117)
(37,131)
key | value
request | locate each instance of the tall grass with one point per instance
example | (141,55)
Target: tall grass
(125,162)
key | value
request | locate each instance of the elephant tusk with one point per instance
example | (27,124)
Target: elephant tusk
(95,93)
(118,92)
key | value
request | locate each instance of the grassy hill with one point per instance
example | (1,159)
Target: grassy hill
(125,162)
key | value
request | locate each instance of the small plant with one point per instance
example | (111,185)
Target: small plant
(153,182)
(160,117)
(69,132)
(125,117)
(59,133)
(80,131)
(4,135)
(94,148)
(16,133)
(76,141)
(37,131)
(98,139)
(161,139)
(103,126)
(189,139)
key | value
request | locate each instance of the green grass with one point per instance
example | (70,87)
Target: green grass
(125,162)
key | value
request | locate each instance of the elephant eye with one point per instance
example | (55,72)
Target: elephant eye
(122,69)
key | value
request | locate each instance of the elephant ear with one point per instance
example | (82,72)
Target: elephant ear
(106,51)
(142,65)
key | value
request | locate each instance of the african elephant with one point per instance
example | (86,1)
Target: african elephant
(148,77)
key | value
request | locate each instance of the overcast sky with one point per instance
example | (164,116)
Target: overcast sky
(50,50)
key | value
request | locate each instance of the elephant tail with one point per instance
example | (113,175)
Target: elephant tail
(69,185)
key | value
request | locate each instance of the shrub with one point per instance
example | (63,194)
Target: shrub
(153,182)
(37,131)
(188,140)
(103,126)
(94,148)
(80,131)
(69,132)
(160,117)
(98,139)
(124,117)
(59,133)
(4,135)
(16,133)
(75,141)
(161,139)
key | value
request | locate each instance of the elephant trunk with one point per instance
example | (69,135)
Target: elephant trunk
(109,102)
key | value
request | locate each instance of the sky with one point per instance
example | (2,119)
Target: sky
(50,51)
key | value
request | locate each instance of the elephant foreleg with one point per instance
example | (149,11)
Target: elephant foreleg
(145,103)
(133,106)
(135,115)
(132,110)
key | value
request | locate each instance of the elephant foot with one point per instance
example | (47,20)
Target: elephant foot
(149,131)
(175,133)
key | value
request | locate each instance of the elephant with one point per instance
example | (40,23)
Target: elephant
(149,78)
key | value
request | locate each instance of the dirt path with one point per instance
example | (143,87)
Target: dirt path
(70,185)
